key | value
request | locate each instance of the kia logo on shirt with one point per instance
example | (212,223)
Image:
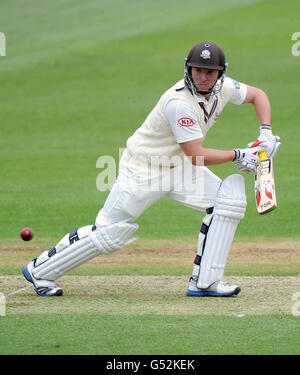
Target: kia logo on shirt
(186,121)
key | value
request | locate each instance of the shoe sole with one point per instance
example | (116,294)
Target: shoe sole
(28,277)
(206,293)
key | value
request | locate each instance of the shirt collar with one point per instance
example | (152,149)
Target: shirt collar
(201,98)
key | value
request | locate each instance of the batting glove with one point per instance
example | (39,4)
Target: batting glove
(246,160)
(267,140)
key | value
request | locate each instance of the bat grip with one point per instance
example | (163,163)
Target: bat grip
(262,155)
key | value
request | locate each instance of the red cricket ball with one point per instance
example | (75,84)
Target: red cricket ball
(26,234)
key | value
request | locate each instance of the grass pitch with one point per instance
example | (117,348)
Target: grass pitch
(154,295)
(150,315)
(134,303)
(151,334)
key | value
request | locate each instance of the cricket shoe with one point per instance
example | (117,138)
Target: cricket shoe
(46,288)
(217,289)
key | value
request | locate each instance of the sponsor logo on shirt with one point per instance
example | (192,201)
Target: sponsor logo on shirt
(186,121)
(236,84)
(217,115)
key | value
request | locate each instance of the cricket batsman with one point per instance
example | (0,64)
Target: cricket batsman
(166,156)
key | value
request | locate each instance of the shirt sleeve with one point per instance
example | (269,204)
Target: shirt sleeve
(237,91)
(182,119)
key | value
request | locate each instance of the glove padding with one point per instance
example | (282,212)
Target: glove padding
(267,141)
(246,160)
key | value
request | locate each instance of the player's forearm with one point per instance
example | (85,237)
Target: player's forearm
(262,107)
(200,155)
(210,156)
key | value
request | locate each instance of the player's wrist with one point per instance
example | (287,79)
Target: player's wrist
(237,154)
(265,128)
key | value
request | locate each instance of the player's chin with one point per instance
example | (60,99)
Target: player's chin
(204,87)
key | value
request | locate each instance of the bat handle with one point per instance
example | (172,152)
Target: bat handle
(262,155)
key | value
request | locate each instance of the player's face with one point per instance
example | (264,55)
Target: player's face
(204,79)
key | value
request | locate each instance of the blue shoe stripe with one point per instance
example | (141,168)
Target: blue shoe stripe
(203,293)
(27,275)
(44,295)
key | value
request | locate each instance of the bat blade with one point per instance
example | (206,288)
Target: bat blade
(265,194)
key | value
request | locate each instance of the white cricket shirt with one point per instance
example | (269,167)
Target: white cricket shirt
(178,117)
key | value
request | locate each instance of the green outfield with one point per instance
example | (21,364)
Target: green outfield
(77,79)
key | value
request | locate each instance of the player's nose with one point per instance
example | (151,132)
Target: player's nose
(203,76)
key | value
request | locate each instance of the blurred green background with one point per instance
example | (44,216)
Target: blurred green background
(80,76)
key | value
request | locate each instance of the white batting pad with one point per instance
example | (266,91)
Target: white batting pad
(229,209)
(103,240)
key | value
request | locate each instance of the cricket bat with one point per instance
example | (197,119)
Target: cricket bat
(265,194)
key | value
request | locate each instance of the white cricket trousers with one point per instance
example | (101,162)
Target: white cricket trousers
(139,185)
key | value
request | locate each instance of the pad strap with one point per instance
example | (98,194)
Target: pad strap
(102,240)
(202,237)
